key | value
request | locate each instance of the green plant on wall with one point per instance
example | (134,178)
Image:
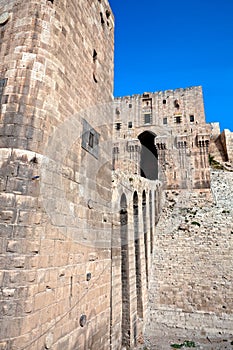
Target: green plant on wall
(196,223)
(214,163)
(211,159)
(186,344)
(177,346)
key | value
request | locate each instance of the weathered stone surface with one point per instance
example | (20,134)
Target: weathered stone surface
(6,292)
(64,216)
(46,225)
(191,284)
(163,135)
(221,146)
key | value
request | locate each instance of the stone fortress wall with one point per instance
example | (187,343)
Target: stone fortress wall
(191,288)
(136,211)
(78,240)
(227,142)
(221,144)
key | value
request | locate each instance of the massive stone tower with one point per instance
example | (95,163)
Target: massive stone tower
(56,72)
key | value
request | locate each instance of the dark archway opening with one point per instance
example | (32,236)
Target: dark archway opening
(137,256)
(125,324)
(156,206)
(149,156)
(144,218)
(151,224)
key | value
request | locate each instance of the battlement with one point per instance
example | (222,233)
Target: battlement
(160,92)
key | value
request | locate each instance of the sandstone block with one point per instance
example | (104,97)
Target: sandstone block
(8,292)
(7,200)
(28,306)
(31,276)
(3,345)
(48,340)
(19,262)
(7,215)
(13,246)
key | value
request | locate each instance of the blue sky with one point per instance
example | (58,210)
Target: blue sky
(162,45)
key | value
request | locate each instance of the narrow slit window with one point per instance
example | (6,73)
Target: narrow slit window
(94,56)
(177,104)
(101,18)
(91,139)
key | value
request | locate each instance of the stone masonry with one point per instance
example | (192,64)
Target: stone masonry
(221,144)
(56,72)
(87,254)
(166,131)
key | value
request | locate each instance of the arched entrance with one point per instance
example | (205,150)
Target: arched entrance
(151,224)
(149,156)
(144,218)
(125,322)
(137,256)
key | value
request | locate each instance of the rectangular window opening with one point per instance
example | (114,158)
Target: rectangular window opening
(90,139)
(191,118)
(178,119)
(130,125)
(147,118)
(118,126)
(165,120)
